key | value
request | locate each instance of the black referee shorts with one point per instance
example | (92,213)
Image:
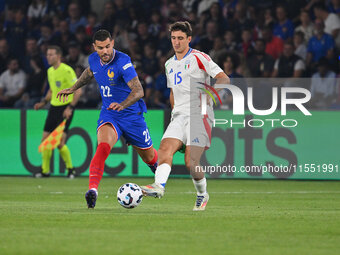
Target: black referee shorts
(55,117)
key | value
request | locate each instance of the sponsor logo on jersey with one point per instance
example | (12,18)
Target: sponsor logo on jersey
(58,84)
(171,71)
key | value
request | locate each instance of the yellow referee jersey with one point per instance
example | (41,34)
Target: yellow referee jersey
(61,78)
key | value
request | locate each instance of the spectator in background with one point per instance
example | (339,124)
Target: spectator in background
(334,6)
(229,62)
(331,22)
(155,26)
(268,18)
(93,25)
(260,64)
(16,32)
(143,36)
(300,47)
(4,54)
(46,33)
(207,41)
(135,51)
(204,5)
(109,19)
(121,37)
(215,15)
(306,26)
(12,84)
(75,57)
(274,45)
(241,20)
(284,28)
(147,84)
(289,65)
(229,40)
(57,7)
(162,92)
(31,50)
(320,45)
(35,84)
(122,13)
(246,46)
(84,42)
(218,49)
(150,63)
(175,12)
(75,19)
(323,85)
(63,37)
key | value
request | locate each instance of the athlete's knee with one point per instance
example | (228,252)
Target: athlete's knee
(149,155)
(190,162)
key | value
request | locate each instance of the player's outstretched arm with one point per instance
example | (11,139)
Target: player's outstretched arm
(221,78)
(135,94)
(84,78)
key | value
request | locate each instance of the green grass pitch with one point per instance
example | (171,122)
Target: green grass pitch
(49,216)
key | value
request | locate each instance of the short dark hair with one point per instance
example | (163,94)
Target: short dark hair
(101,35)
(320,6)
(300,34)
(183,26)
(56,48)
(235,59)
(12,59)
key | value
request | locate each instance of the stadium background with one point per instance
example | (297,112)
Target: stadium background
(231,32)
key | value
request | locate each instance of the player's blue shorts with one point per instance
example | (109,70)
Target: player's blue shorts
(132,128)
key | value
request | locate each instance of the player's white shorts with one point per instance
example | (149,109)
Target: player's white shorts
(198,135)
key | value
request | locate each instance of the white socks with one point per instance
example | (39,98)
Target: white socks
(201,186)
(162,174)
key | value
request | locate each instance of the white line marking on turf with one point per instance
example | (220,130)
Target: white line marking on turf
(264,192)
(57,192)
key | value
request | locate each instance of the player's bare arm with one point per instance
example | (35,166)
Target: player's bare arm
(41,104)
(172,101)
(221,78)
(84,79)
(68,111)
(135,94)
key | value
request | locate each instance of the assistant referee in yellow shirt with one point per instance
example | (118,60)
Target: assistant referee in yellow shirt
(60,76)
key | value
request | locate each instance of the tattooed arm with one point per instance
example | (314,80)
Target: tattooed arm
(84,78)
(135,94)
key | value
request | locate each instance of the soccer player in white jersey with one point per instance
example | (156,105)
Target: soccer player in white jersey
(181,70)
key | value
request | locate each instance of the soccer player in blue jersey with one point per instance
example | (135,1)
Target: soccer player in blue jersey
(122,109)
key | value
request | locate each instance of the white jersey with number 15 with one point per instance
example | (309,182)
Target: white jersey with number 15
(185,76)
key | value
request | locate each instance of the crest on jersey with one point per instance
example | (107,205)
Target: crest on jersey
(110,73)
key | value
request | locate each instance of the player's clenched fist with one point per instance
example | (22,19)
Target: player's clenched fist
(63,94)
(115,106)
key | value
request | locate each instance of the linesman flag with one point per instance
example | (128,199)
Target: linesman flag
(53,140)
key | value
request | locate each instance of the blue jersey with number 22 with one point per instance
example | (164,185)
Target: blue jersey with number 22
(112,78)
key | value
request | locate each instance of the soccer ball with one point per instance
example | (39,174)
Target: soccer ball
(129,195)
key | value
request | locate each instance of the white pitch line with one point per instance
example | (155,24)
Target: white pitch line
(264,192)
(57,192)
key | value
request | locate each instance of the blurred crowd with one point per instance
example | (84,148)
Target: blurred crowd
(247,38)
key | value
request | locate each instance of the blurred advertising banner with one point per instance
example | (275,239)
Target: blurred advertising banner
(267,128)
(294,146)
